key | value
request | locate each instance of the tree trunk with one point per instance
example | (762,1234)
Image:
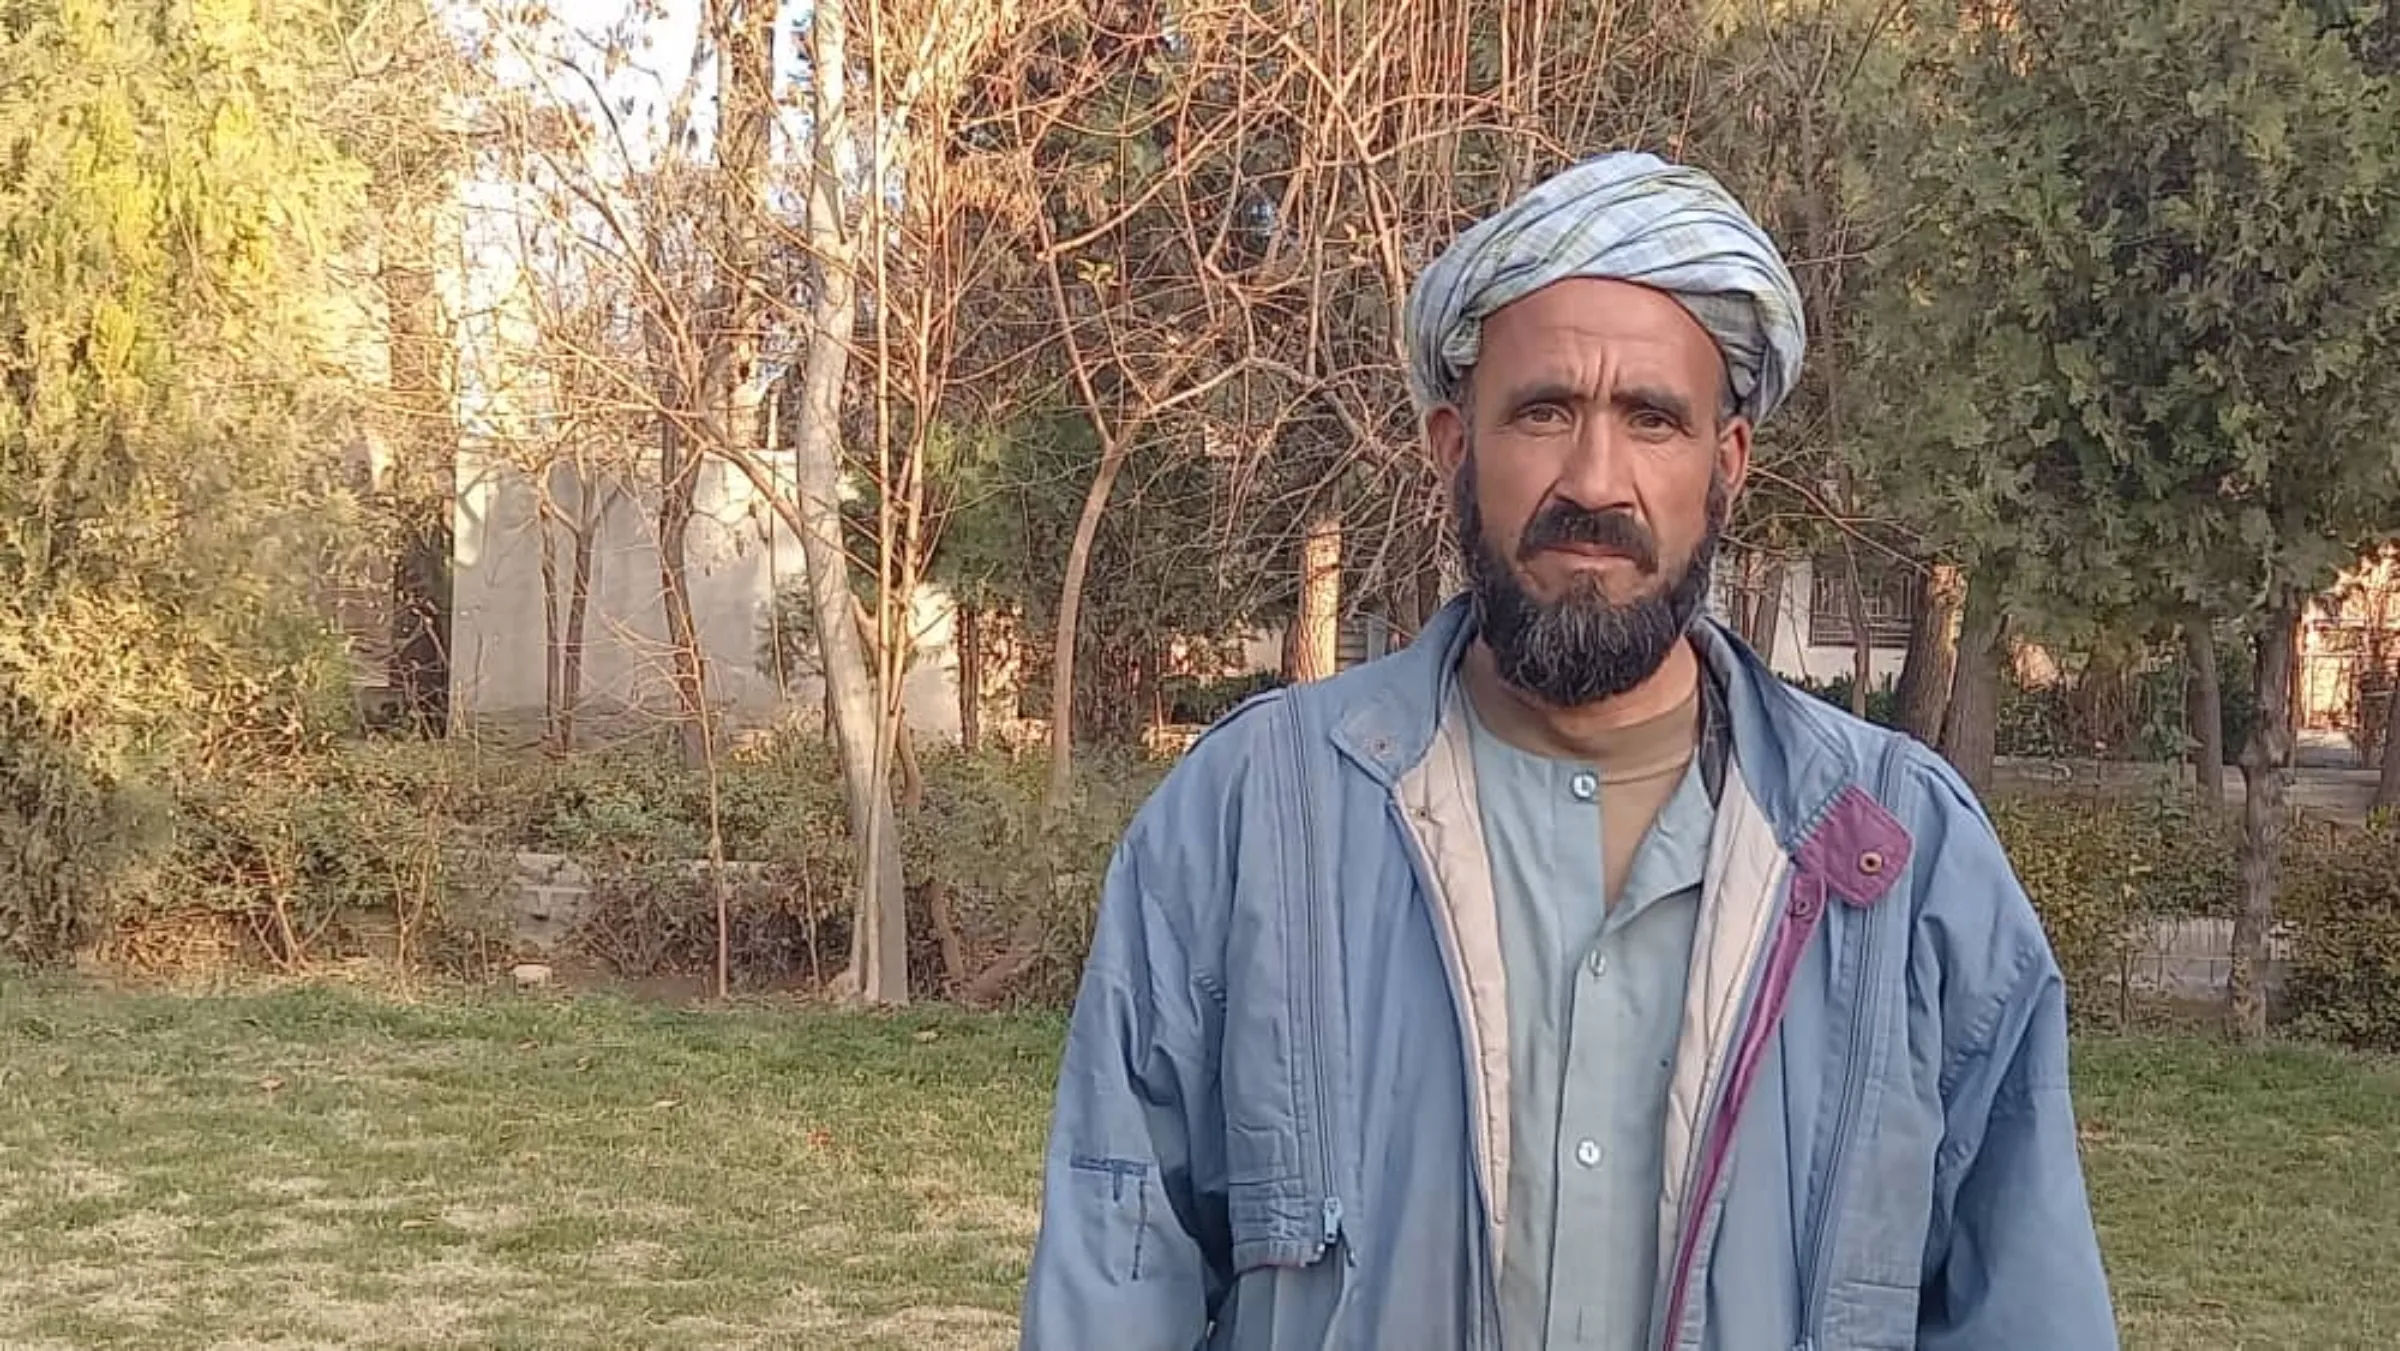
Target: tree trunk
(2204,712)
(687,665)
(1431,588)
(424,469)
(564,622)
(1070,612)
(967,636)
(879,951)
(545,518)
(1314,651)
(1932,662)
(583,579)
(2266,771)
(904,746)
(1970,726)
(1765,620)
(1862,638)
(2387,784)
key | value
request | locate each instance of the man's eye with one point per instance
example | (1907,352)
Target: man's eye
(1543,415)
(1651,420)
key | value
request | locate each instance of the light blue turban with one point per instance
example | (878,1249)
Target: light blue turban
(1626,217)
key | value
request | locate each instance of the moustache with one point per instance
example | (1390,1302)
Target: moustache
(1563,523)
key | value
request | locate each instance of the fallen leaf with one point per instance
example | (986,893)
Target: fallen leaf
(583,1062)
(665,1103)
(820,1139)
(928,1034)
(271,1082)
(529,1044)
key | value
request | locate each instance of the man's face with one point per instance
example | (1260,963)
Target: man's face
(1592,465)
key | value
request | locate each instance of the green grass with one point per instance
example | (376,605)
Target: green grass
(315,1168)
(2246,1199)
(324,1168)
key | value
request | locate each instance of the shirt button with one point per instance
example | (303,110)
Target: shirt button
(1598,963)
(1583,786)
(1587,1153)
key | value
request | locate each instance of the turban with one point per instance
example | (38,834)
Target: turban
(1625,217)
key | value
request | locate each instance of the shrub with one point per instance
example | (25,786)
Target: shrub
(312,860)
(2341,901)
(2101,869)
(1001,899)
(1197,701)
(1883,697)
(1022,890)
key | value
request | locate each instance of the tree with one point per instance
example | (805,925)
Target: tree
(1928,672)
(177,353)
(2204,711)
(2146,303)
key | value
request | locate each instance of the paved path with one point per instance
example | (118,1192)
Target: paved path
(2336,794)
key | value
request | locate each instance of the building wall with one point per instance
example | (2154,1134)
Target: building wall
(740,555)
(1795,657)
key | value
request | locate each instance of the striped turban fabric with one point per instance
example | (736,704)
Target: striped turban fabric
(1625,217)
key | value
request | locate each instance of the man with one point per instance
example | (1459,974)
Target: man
(1566,980)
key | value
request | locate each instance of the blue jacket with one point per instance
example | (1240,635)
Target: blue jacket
(1282,1118)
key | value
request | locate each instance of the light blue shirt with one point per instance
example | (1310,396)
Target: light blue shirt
(1595,1003)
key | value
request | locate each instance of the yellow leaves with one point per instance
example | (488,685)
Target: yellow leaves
(115,334)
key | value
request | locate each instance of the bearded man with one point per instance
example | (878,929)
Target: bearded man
(1566,979)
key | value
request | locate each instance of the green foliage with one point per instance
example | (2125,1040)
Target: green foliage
(1883,697)
(169,428)
(638,823)
(2100,869)
(1198,701)
(1164,572)
(2132,352)
(323,858)
(2341,901)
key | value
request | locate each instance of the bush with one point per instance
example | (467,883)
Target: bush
(313,860)
(2341,901)
(1023,890)
(1883,698)
(2101,869)
(1198,701)
(999,898)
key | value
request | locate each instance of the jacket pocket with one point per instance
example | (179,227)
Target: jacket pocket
(1869,1316)
(1119,1206)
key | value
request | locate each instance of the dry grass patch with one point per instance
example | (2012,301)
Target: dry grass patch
(327,1168)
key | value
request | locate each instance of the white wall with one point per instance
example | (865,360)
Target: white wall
(739,554)
(1796,658)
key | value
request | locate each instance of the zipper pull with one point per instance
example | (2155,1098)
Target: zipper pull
(1331,1233)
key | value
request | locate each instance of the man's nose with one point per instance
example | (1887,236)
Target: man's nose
(1598,473)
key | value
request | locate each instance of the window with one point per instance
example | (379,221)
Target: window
(1891,593)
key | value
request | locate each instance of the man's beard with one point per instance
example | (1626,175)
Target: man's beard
(1582,647)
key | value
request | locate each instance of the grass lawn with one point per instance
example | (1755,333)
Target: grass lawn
(322,1168)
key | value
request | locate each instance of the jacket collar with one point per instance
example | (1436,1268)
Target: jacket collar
(1793,762)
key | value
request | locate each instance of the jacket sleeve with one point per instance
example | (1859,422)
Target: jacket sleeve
(1133,1251)
(2012,1257)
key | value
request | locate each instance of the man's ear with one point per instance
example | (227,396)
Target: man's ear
(1446,436)
(1733,454)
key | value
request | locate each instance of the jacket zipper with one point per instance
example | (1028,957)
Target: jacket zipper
(1330,1215)
(1854,1079)
(1854,1084)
